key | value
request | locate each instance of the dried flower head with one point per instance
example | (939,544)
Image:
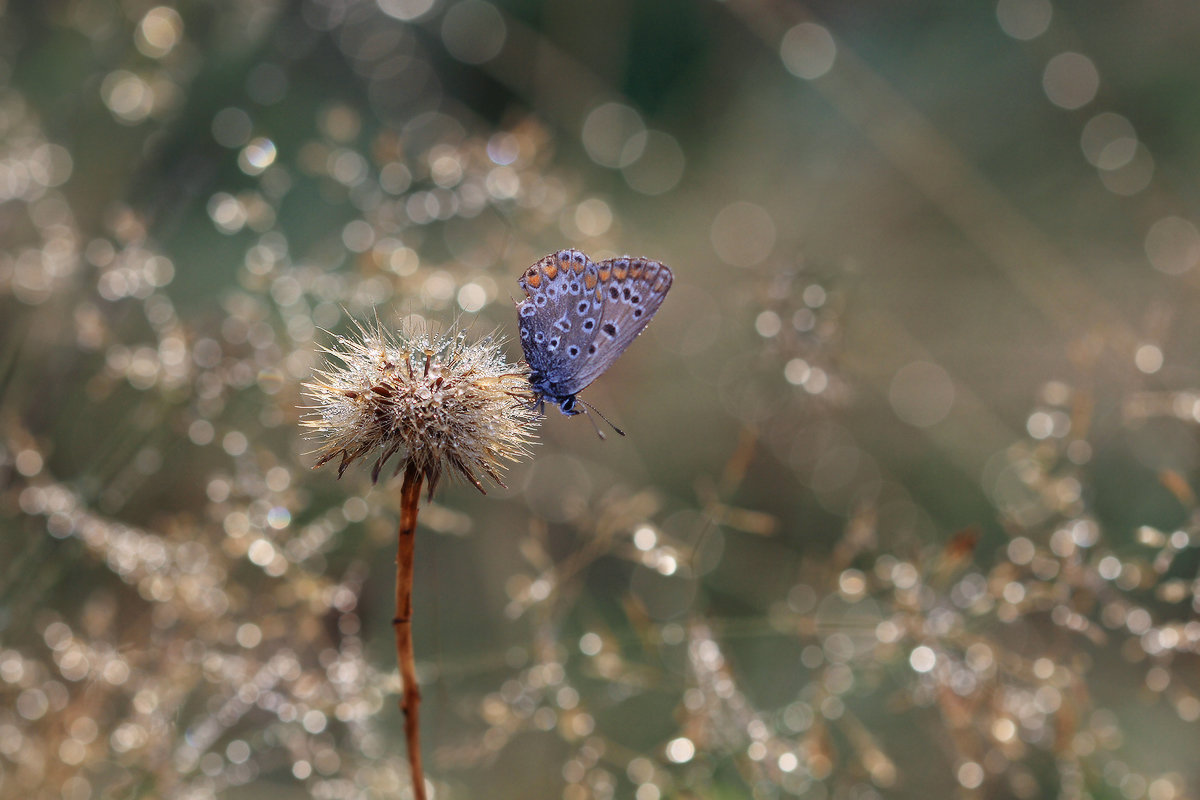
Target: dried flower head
(437,400)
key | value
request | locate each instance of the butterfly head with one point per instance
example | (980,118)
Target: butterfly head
(570,405)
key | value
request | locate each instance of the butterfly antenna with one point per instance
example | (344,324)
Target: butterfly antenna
(601,416)
(595,427)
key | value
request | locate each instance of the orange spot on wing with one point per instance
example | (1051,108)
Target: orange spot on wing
(635,271)
(577,267)
(550,270)
(620,272)
(605,272)
(589,281)
(534,280)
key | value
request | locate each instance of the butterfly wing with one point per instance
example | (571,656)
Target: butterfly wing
(557,319)
(630,290)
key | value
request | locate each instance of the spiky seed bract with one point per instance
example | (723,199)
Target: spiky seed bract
(436,400)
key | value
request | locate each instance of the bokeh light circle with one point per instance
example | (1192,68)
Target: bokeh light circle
(1071,80)
(658,166)
(1024,19)
(607,132)
(473,31)
(743,234)
(1173,245)
(808,50)
(921,394)
(406,10)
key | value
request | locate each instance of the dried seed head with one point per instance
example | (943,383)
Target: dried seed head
(437,400)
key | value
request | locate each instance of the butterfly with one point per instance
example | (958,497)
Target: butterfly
(578,316)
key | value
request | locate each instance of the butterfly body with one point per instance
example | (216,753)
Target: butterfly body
(578,316)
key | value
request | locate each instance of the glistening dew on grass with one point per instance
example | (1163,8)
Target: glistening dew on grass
(438,400)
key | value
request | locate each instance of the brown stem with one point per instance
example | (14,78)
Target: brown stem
(410,495)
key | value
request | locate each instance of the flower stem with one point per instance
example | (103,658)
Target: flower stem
(410,495)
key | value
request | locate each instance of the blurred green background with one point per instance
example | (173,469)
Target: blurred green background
(906,506)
